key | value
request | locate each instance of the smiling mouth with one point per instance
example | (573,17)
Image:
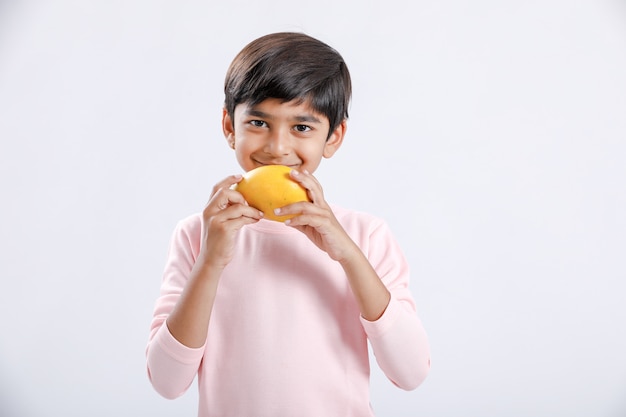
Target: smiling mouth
(279,163)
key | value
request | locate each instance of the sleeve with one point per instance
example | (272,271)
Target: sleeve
(171,365)
(398,338)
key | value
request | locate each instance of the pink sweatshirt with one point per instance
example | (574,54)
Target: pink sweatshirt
(286,337)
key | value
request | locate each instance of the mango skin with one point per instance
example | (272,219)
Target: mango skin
(269,187)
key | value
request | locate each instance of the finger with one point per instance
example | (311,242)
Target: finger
(239,222)
(226,183)
(241,211)
(320,223)
(233,217)
(309,183)
(304,208)
(226,198)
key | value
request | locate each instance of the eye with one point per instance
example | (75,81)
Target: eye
(302,128)
(258,123)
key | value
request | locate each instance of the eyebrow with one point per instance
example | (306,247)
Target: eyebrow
(309,118)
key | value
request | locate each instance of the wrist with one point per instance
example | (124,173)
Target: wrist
(206,267)
(351,255)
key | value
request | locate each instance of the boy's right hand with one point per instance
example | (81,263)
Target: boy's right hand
(225,213)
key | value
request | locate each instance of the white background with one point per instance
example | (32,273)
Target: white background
(490,134)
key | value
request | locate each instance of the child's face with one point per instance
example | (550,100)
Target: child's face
(273,132)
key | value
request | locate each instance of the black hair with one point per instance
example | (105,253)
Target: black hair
(290,66)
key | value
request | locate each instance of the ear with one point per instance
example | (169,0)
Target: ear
(228,128)
(335,140)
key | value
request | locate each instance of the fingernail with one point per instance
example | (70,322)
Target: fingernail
(277,211)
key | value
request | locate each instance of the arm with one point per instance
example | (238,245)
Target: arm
(378,276)
(171,365)
(197,257)
(398,339)
(317,221)
(371,294)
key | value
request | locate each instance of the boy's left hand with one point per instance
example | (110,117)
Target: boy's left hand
(316,219)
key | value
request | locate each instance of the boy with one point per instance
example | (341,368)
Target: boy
(274,318)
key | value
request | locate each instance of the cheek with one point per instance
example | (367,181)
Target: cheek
(240,153)
(243,152)
(312,149)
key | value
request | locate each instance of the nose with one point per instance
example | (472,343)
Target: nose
(278,143)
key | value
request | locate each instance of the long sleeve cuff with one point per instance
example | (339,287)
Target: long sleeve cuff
(172,366)
(400,345)
(377,328)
